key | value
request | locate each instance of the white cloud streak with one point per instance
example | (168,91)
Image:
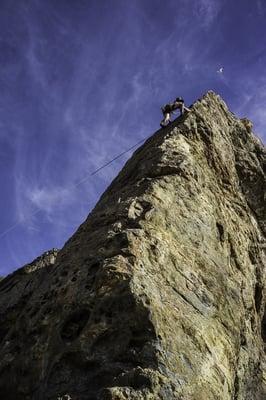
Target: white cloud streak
(207,11)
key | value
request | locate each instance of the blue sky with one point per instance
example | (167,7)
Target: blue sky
(83,80)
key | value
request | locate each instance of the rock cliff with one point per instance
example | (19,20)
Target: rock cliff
(160,294)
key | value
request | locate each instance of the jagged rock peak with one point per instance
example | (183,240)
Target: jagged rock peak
(160,294)
(46,259)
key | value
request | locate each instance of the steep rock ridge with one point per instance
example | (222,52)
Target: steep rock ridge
(15,293)
(160,294)
(25,280)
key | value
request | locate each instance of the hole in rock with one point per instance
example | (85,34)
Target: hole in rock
(140,382)
(120,239)
(48,310)
(74,324)
(263,327)
(104,340)
(14,335)
(252,255)
(34,312)
(104,379)
(17,349)
(138,340)
(3,332)
(93,268)
(8,385)
(87,376)
(258,296)
(220,229)
(136,379)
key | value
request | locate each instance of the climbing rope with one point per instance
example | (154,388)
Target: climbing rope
(12,227)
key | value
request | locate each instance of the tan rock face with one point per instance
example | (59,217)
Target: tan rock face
(160,294)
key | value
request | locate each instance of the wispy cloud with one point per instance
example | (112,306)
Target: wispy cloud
(260,7)
(46,199)
(206,11)
(253,106)
(258,115)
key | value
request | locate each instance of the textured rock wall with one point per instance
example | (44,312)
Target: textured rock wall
(15,295)
(160,294)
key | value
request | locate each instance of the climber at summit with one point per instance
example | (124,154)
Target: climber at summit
(178,104)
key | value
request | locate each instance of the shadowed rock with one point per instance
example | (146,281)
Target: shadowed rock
(160,294)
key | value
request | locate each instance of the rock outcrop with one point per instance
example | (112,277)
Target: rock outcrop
(160,294)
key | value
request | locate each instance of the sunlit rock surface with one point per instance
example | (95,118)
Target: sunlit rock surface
(160,294)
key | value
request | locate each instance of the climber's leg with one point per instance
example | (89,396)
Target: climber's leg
(166,119)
